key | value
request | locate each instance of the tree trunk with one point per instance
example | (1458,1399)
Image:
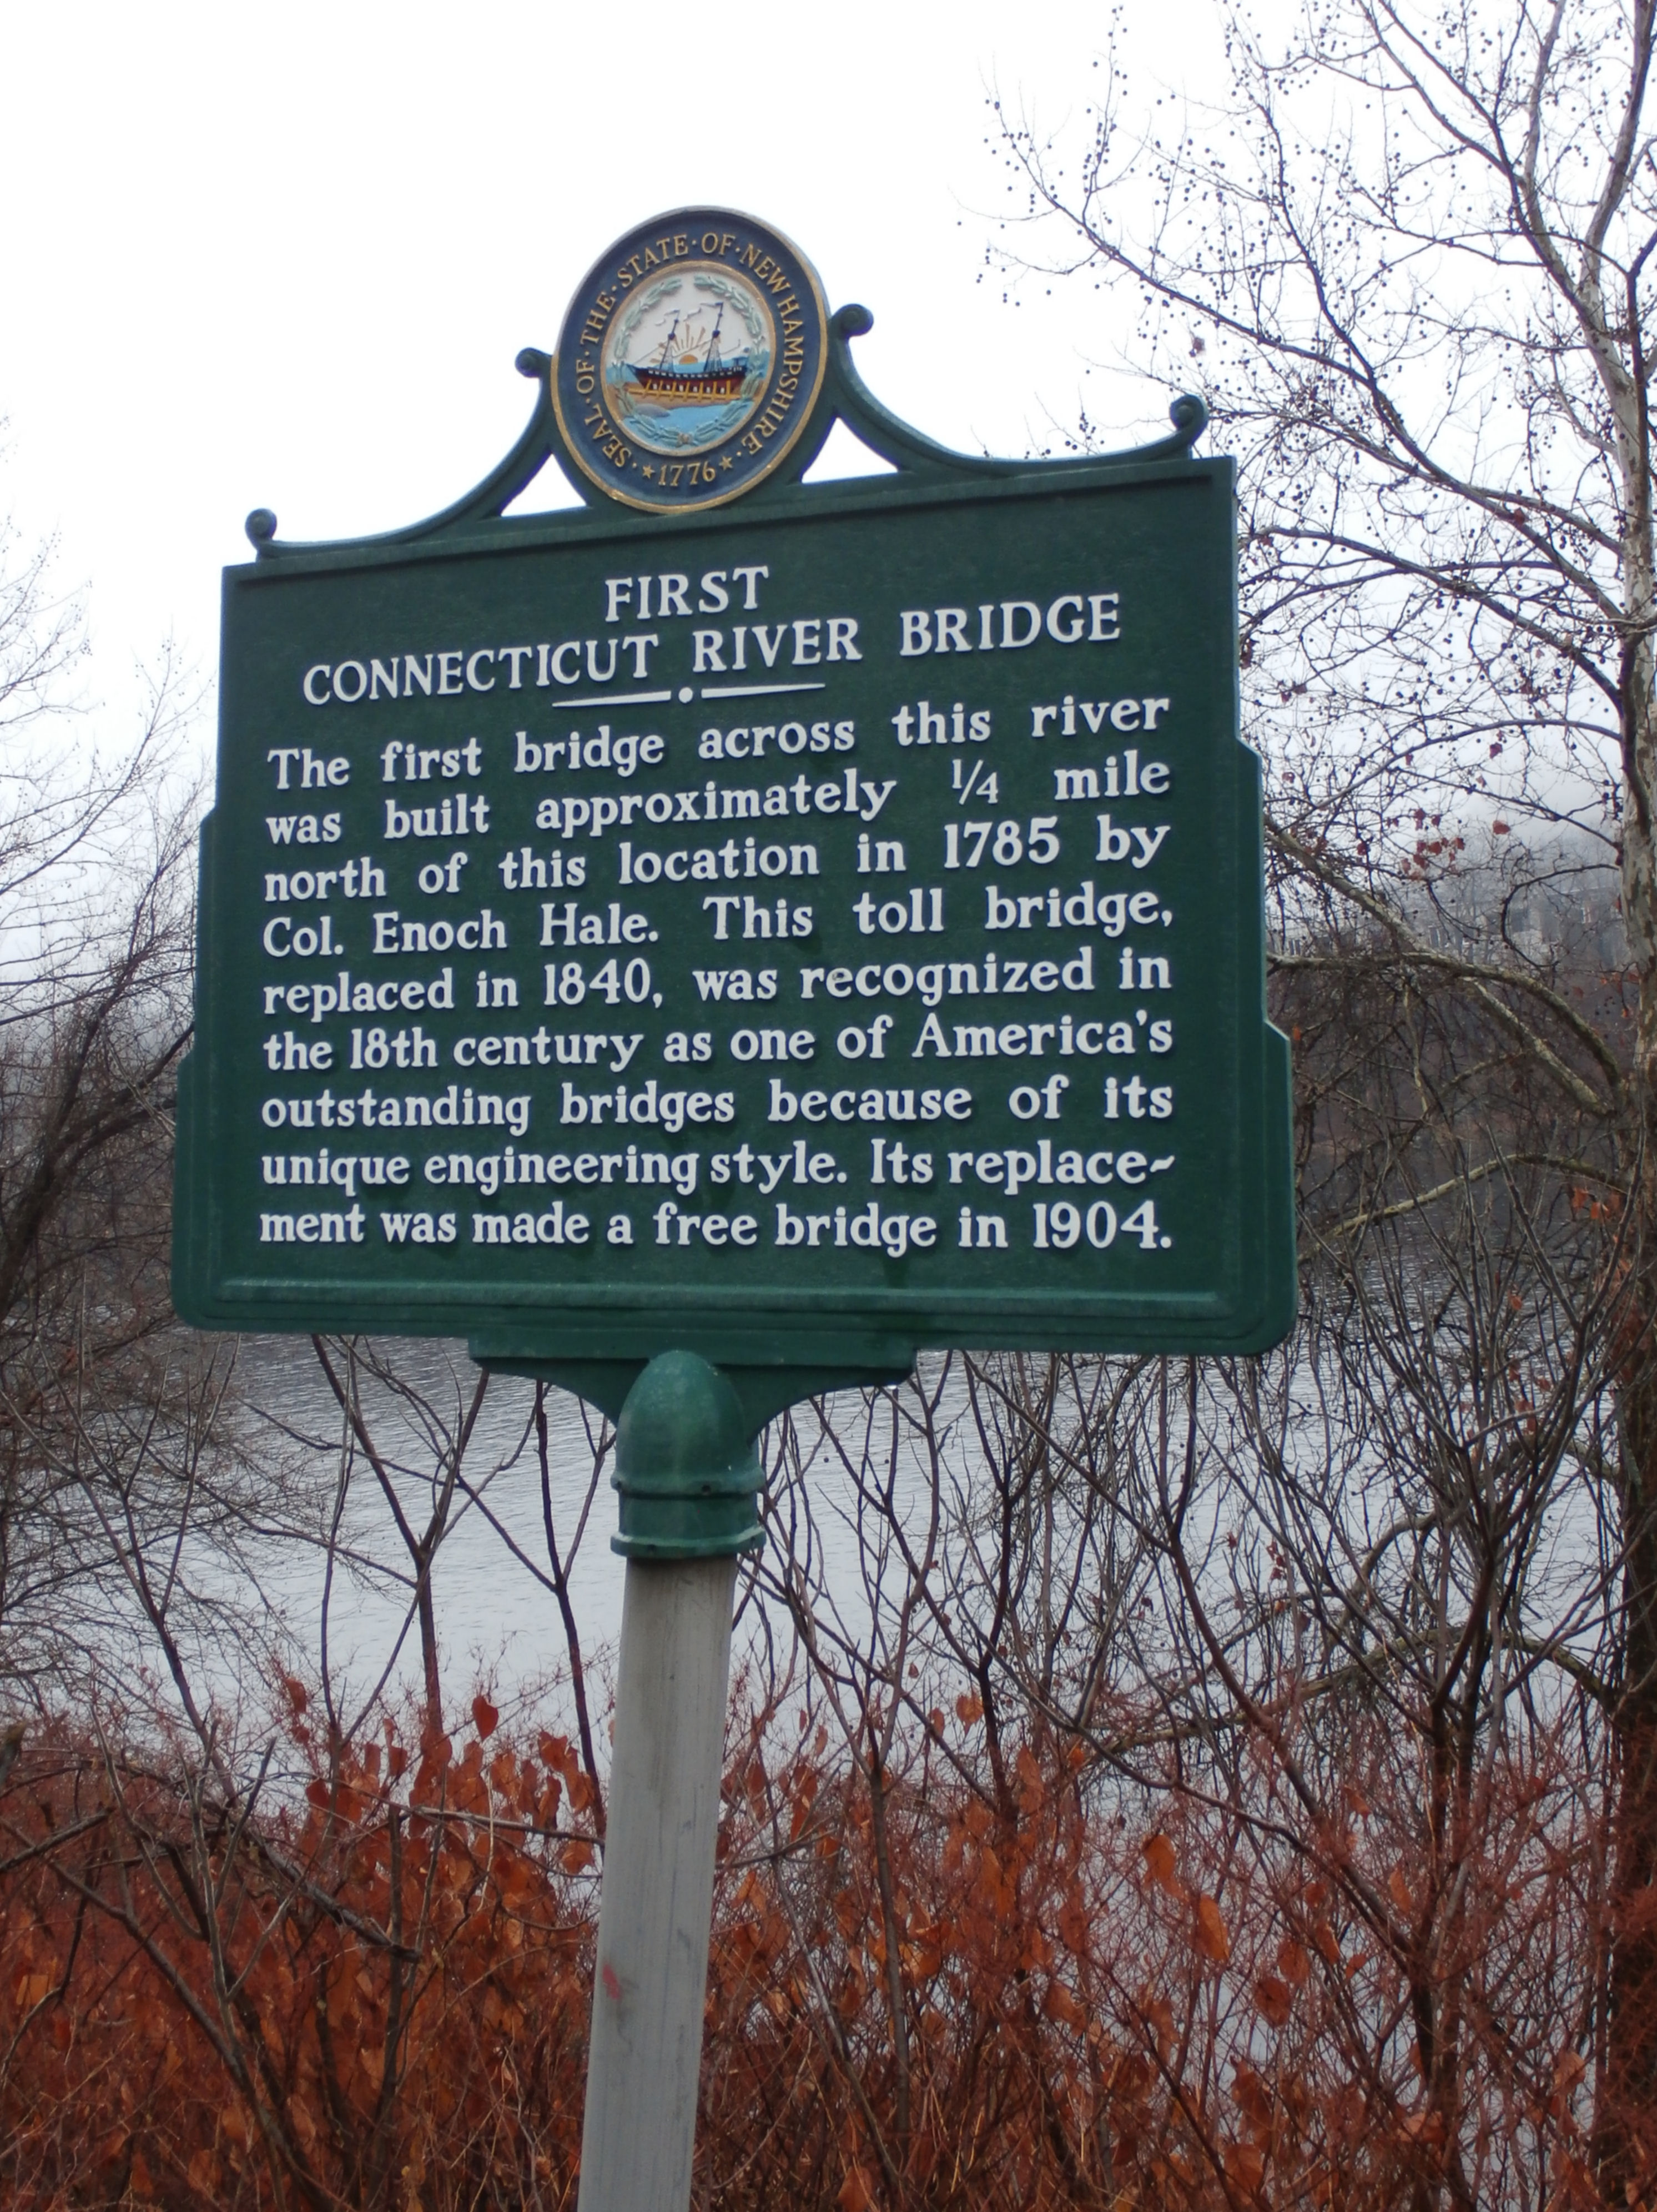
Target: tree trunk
(1628,2090)
(429,1661)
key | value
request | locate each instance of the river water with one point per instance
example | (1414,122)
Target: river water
(497,1624)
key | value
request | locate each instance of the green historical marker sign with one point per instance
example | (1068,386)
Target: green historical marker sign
(791,924)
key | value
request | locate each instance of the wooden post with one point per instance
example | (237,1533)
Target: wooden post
(661,1829)
(687,1474)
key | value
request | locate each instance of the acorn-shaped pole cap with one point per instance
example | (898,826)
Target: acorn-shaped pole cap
(686,1469)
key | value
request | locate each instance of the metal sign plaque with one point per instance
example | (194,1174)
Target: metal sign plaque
(828,924)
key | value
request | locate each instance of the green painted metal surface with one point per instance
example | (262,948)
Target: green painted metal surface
(796,933)
(687,1474)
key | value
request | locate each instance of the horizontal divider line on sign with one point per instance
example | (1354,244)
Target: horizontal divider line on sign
(754,690)
(620,699)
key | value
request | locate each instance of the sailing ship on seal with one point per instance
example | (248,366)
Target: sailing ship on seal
(688,371)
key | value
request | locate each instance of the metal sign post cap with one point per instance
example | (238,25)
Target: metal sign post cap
(686,1469)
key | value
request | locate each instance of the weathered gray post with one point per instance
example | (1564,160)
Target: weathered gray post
(687,1473)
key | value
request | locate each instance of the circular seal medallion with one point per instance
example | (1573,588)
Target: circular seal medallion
(690,360)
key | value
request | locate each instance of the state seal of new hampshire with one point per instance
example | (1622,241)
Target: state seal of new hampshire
(689,360)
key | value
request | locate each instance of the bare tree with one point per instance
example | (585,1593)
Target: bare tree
(108,1415)
(1408,263)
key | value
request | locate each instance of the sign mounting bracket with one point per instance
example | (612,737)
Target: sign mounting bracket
(844,398)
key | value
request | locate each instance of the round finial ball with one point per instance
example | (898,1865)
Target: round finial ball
(1189,415)
(261,526)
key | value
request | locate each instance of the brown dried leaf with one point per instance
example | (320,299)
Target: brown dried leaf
(1245,2162)
(1031,1788)
(1159,1858)
(856,2192)
(1294,1962)
(1213,1937)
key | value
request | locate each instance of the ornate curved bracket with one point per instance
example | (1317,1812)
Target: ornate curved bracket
(845,398)
(486,503)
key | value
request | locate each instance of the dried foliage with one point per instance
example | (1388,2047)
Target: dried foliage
(378,1994)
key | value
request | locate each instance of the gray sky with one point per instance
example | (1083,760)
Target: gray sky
(286,256)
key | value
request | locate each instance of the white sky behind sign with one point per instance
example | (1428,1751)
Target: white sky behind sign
(286,256)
